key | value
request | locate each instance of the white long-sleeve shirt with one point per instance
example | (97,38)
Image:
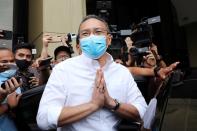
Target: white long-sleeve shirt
(71,83)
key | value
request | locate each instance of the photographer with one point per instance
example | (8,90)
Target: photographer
(149,63)
(61,53)
(148,72)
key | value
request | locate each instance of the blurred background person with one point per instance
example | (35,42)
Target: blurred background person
(8,97)
(23,57)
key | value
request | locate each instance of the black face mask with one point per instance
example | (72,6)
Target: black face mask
(23,64)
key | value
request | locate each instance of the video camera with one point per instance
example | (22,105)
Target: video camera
(142,35)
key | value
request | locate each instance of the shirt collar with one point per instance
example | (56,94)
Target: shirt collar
(95,63)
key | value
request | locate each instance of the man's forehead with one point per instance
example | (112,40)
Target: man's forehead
(62,53)
(92,24)
(6,54)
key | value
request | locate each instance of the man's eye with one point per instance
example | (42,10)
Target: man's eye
(98,32)
(85,33)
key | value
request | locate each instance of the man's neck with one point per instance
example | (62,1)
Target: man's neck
(102,60)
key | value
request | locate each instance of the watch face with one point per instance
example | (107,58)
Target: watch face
(116,106)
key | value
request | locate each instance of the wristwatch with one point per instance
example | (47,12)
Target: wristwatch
(116,106)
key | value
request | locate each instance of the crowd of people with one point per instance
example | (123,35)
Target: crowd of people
(91,91)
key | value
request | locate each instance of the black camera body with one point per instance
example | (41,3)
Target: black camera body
(142,35)
(142,38)
(139,51)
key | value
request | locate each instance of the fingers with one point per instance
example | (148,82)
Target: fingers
(12,84)
(149,55)
(174,65)
(101,87)
(15,82)
(34,84)
(170,68)
(9,86)
(46,39)
(18,97)
(100,81)
(98,78)
(3,91)
(34,81)
(164,72)
(64,39)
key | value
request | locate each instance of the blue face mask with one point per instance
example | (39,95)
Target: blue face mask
(7,74)
(93,46)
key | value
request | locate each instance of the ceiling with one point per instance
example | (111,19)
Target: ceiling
(186,11)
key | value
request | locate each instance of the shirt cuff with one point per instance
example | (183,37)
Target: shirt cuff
(53,115)
(140,109)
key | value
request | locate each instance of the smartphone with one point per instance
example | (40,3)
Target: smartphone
(56,39)
(16,77)
(45,62)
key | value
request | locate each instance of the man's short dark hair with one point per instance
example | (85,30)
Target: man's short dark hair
(62,48)
(94,17)
(23,46)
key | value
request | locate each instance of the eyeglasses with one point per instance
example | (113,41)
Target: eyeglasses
(95,31)
(62,58)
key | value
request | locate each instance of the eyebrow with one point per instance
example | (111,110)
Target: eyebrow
(93,29)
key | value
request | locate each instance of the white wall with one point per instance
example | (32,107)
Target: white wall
(6,20)
(35,25)
(6,14)
(62,16)
(57,16)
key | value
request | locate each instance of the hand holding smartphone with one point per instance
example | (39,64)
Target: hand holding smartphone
(17,78)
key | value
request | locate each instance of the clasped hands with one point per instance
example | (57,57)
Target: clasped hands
(100,95)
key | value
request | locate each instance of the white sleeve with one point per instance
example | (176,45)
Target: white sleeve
(52,100)
(134,96)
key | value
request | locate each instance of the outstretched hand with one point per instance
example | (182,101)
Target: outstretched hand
(164,72)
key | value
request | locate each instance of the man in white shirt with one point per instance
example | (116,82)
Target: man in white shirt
(90,92)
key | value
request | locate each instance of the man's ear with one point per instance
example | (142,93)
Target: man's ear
(109,39)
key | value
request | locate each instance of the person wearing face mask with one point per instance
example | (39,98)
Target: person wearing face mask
(23,58)
(8,82)
(90,91)
(8,97)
